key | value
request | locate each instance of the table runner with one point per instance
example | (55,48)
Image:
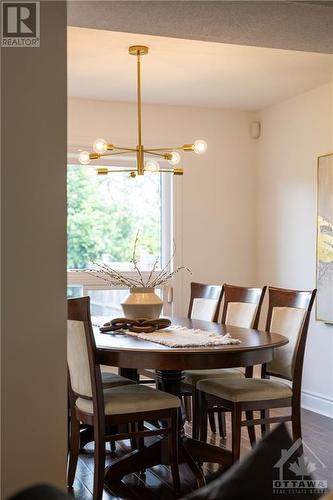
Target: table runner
(180,336)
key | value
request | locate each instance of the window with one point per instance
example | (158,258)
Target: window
(104,214)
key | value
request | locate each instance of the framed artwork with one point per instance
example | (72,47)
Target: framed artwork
(324,308)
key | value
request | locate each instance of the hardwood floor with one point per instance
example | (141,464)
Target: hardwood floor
(156,483)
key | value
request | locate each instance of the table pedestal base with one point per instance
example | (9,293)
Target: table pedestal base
(190,452)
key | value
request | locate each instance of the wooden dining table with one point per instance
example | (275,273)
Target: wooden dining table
(131,353)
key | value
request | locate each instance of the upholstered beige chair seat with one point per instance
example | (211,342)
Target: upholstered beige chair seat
(131,398)
(193,376)
(113,380)
(245,389)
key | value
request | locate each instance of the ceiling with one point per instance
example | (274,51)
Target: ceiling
(329,3)
(291,25)
(189,72)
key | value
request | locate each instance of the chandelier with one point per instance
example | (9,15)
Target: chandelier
(146,158)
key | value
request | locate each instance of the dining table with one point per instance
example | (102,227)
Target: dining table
(130,353)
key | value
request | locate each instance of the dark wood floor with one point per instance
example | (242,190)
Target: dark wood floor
(156,484)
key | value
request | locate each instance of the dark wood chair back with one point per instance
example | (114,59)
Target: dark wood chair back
(242,305)
(84,373)
(205,301)
(289,314)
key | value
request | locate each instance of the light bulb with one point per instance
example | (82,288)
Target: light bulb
(200,147)
(151,166)
(100,146)
(175,158)
(84,158)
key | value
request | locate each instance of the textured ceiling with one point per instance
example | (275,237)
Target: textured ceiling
(326,4)
(277,24)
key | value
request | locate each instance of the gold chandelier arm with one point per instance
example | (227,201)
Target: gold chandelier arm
(134,173)
(112,170)
(152,150)
(124,149)
(156,154)
(116,153)
(174,171)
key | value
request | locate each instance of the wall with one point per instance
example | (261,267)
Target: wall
(214,220)
(294,133)
(33,258)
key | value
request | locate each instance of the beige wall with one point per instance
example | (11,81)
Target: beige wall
(214,213)
(294,133)
(33,257)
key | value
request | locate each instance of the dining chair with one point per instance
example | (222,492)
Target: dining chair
(288,314)
(241,307)
(204,304)
(102,409)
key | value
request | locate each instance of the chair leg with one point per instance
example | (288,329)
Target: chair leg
(99,459)
(236,420)
(187,407)
(131,428)
(74,448)
(140,440)
(296,423)
(68,424)
(250,428)
(113,429)
(222,423)
(203,412)
(265,428)
(211,418)
(195,415)
(173,450)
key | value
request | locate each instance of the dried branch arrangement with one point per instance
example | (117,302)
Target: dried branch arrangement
(154,279)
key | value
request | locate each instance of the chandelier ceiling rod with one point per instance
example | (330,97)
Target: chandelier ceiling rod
(139,94)
(138,51)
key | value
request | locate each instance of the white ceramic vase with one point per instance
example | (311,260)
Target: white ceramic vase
(142,303)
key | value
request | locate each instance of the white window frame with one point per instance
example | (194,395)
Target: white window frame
(88,282)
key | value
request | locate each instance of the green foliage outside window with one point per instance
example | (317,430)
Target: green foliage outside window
(104,214)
